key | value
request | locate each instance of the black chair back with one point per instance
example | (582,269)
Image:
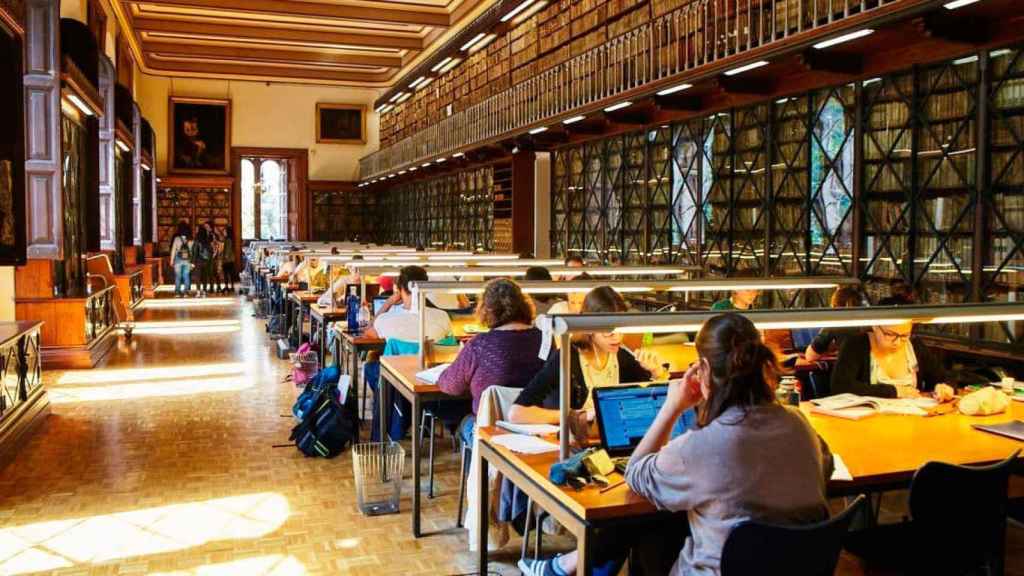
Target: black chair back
(962,504)
(808,550)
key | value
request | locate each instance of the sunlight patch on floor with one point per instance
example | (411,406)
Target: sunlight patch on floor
(95,539)
(271,565)
(110,375)
(186,303)
(183,387)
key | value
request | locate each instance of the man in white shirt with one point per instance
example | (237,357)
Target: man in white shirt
(400,322)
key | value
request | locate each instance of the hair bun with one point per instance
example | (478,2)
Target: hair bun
(745,356)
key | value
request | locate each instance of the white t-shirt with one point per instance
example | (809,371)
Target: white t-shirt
(560,307)
(402,324)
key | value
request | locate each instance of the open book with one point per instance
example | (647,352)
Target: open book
(854,407)
(431,375)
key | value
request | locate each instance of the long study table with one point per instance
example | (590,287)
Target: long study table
(398,374)
(881,452)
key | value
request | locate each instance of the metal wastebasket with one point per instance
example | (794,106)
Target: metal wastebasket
(378,471)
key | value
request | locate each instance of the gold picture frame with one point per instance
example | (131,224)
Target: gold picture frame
(335,123)
(199,135)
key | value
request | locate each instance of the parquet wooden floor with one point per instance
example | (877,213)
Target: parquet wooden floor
(161,461)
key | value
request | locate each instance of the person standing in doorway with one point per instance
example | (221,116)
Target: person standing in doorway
(202,256)
(228,260)
(181,260)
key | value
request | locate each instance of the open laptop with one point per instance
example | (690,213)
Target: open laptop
(378,302)
(624,413)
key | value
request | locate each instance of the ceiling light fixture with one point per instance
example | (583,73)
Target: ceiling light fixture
(441,64)
(415,83)
(674,89)
(958,4)
(513,12)
(121,144)
(458,155)
(79,104)
(483,43)
(573,120)
(539,130)
(618,106)
(746,68)
(472,42)
(844,38)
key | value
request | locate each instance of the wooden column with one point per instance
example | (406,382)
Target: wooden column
(523,190)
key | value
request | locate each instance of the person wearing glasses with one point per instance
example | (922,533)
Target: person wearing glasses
(887,362)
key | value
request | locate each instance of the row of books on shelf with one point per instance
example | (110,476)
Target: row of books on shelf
(1010,93)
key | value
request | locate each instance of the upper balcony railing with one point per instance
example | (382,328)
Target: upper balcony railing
(687,38)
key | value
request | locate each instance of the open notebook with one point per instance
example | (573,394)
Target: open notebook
(854,407)
(431,375)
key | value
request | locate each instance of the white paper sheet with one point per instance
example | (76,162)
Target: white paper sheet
(529,429)
(840,471)
(524,444)
(432,375)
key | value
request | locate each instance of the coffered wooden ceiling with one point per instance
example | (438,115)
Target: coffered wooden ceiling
(352,42)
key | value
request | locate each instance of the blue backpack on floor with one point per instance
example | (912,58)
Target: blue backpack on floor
(327,377)
(326,427)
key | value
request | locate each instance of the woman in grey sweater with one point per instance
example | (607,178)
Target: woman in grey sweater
(749,458)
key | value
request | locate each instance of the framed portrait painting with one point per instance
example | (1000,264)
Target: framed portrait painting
(200,135)
(341,123)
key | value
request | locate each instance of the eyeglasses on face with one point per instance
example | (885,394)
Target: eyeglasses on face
(894,336)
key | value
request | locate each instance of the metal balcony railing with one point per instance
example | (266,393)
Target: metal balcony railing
(688,37)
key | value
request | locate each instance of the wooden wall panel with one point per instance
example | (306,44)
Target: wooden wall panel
(42,147)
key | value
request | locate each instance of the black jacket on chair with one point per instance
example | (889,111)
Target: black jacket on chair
(852,372)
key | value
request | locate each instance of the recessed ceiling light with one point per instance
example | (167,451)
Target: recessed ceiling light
(458,155)
(539,130)
(512,13)
(674,89)
(844,38)
(573,120)
(441,159)
(618,106)
(958,4)
(473,41)
(441,64)
(746,68)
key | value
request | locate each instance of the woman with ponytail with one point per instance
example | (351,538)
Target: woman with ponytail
(749,458)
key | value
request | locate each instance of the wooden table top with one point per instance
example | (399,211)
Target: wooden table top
(888,447)
(358,338)
(877,450)
(405,368)
(589,503)
(304,296)
(325,312)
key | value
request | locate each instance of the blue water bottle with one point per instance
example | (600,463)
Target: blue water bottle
(352,311)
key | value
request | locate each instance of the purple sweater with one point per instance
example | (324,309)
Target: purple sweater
(495,358)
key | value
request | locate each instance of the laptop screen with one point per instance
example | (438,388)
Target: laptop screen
(377,303)
(625,413)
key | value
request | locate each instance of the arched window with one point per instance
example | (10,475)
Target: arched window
(264,199)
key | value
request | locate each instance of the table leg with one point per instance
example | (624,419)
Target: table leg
(323,340)
(482,511)
(382,405)
(585,548)
(416,417)
(354,376)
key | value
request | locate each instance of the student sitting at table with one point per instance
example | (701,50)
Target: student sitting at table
(830,340)
(290,265)
(738,300)
(749,458)
(887,362)
(341,278)
(506,355)
(312,273)
(573,302)
(541,302)
(400,322)
(597,360)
